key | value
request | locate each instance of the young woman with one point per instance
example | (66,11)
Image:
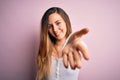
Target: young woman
(58,56)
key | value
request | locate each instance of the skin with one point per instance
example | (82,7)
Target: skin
(71,52)
(57,28)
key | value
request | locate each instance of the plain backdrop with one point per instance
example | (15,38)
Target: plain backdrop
(19,36)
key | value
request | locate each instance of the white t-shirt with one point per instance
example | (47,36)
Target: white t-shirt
(59,72)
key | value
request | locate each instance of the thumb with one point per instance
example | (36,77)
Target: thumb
(78,34)
(81,32)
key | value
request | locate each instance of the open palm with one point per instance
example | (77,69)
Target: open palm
(73,48)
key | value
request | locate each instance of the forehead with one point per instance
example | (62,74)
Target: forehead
(54,17)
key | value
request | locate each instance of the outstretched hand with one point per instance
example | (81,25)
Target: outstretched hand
(73,48)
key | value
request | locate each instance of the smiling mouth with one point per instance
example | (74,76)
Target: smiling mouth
(57,33)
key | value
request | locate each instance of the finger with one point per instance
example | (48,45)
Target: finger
(81,32)
(65,60)
(77,58)
(83,50)
(71,60)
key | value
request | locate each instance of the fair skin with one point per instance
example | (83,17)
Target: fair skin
(71,52)
(58,30)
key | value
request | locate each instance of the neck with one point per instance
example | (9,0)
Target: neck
(58,47)
(60,42)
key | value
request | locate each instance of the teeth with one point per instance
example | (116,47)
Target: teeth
(57,33)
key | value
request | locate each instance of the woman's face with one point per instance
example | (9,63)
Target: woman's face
(57,26)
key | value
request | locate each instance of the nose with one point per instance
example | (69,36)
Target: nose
(55,28)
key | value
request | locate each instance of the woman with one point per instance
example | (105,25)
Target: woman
(55,49)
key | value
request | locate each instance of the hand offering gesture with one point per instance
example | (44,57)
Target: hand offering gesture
(73,48)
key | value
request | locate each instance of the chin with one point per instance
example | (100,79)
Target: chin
(60,38)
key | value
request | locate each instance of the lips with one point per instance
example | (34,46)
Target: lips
(57,33)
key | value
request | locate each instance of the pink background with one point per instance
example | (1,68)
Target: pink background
(19,31)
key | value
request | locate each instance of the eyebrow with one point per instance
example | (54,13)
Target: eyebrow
(55,22)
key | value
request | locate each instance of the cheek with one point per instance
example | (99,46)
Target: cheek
(63,26)
(65,29)
(50,31)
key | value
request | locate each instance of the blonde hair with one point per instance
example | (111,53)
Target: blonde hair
(46,42)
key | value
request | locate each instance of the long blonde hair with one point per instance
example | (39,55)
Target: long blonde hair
(46,42)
